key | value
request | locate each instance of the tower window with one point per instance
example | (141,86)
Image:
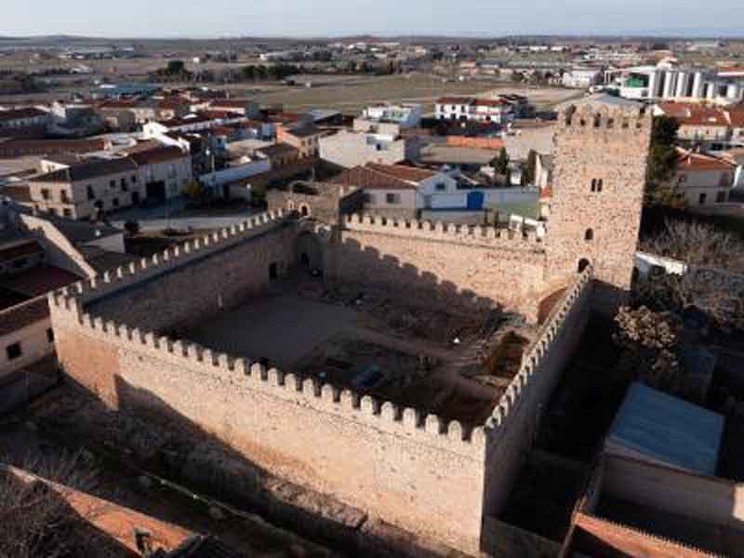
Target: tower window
(597,120)
(597,184)
(589,234)
(583,264)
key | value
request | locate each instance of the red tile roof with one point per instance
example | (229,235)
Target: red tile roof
(24,314)
(455,100)
(157,155)
(40,280)
(370,179)
(691,114)
(691,161)
(490,102)
(736,116)
(411,174)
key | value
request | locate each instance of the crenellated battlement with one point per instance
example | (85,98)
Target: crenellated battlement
(165,261)
(537,352)
(243,373)
(588,118)
(484,235)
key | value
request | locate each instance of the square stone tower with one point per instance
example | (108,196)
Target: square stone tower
(601,148)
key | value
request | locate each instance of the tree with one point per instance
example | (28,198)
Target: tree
(713,282)
(175,67)
(501,162)
(194,190)
(528,173)
(660,189)
(132,227)
(648,341)
(36,518)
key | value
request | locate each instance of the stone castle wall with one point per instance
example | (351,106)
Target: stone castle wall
(417,472)
(449,264)
(420,473)
(183,284)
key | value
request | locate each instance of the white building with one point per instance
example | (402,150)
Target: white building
(581,78)
(405,115)
(498,111)
(666,82)
(351,149)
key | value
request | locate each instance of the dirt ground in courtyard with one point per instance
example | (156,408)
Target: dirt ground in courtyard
(363,341)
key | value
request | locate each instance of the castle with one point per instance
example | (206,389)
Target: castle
(436,475)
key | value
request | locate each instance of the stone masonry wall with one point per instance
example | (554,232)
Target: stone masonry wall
(445,263)
(181,295)
(593,220)
(515,419)
(416,472)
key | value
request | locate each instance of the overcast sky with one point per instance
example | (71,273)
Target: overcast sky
(211,18)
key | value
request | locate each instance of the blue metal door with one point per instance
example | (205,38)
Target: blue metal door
(475,200)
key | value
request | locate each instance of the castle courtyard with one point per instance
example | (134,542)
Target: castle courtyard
(367,343)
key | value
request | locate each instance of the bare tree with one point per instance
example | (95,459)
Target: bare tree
(698,244)
(36,519)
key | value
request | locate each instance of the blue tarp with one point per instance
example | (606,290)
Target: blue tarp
(665,429)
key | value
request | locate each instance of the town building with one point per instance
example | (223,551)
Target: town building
(350,149)
(302,136)
(23,122)
(80,190)
(581,78)
(165,170)
(388,119)
(704,179)
(669,82)
(499,111)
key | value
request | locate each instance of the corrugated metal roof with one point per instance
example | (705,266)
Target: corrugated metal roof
(664,429)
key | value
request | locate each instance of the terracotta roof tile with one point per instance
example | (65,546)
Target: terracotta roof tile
(403,172)
(691,161)
(368,178)
(23,314)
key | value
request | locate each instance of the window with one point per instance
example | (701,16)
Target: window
(67,212)
(13,351)
(63,197)
(583,264)
(134,179)
(50,335)
(392,199)
(721,196)
(441,187)
(45,193)
(597,184)
(112,184)
(91,194)
(681,179)
(701,199)
(589,234)
(115,201)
